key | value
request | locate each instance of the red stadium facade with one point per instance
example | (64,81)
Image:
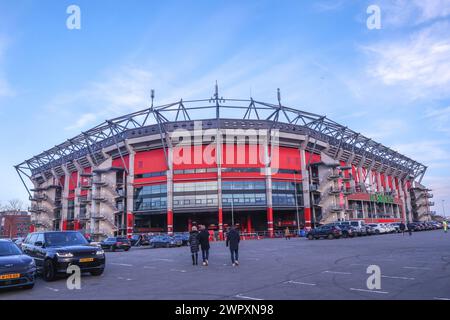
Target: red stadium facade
(265,167)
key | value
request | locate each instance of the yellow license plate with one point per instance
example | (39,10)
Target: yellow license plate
(10,276)
(87,260)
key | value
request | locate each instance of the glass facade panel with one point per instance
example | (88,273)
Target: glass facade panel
(152,197)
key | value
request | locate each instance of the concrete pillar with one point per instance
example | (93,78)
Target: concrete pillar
(268,174)
(305,189)
(65,197)
(219,182)
(170,191)
(129,193)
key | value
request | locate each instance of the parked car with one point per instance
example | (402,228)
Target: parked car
(116,243)
(357,224)
(184,237)
(369,230)
(55,251)
(326,231)
(139,240)
(18,241)
(164,241)
(379,228)
(413,226)
(396,225)
(348,231)
(16,268)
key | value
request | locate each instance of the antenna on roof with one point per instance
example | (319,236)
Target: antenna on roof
(279,96)
(152,95)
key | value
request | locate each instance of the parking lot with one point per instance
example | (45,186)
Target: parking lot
(415,267)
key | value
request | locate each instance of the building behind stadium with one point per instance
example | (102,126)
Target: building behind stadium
(216,162)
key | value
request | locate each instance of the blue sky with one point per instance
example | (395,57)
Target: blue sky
(391,84)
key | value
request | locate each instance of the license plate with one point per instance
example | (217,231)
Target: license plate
(10,276)
(87,260)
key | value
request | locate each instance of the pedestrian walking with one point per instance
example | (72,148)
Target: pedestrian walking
(203,239)
(287,234)
(194,244)
(233,238)
(445,225)
(402,228)
(410,229)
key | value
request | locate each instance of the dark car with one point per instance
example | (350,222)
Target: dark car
(55,251)
(139,240)
(163,241)
(183,237)
(116,243)
(326,231)
(349,231)
(413,226)
(16,268)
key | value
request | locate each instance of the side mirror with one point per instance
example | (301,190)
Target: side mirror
(39,244)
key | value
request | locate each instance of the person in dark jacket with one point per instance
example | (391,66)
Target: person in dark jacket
(402,228)
(193,243)
(233,238)
(203,239)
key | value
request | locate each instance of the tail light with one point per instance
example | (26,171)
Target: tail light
(119,243)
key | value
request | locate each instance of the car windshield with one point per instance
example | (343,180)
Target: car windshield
(61,239)
(8,249)
(111,239)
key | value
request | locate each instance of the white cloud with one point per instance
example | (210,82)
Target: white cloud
(399,13)
(431,153)
(440,118)
(83,121)
(420,65)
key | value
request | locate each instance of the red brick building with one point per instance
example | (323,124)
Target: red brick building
(14,224)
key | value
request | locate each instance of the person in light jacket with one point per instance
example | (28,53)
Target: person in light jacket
(233,238)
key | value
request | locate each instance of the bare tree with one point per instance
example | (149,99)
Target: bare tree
(14,205)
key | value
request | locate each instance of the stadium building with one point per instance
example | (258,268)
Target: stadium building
(216,162)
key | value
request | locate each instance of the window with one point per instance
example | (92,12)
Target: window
(33,238)
(150,175)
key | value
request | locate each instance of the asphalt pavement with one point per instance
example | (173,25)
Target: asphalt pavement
(415,267)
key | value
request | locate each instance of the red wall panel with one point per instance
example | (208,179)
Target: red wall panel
(192,157)
(150,161)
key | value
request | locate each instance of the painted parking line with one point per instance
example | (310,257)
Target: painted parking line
(367,290)
(149,267)
(161,259)
(437,298)
(400,278)
(122,264)
(52,289)
(247,297)
(336,272)
(127,279)
(301,283)
(418,268)
(177,270)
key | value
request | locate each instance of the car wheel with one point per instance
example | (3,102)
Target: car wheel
(345,235)
(310,237)
(29,286)
(49,271)
(127,249)
(330,237)
(167,245)
(97,273)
